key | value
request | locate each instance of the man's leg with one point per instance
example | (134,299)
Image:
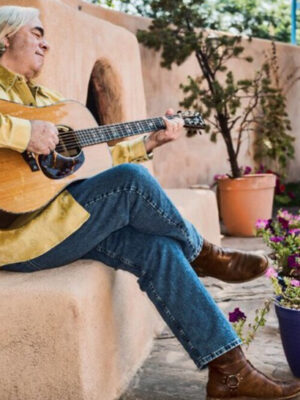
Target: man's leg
(166,276)
(126,195)
(134,200)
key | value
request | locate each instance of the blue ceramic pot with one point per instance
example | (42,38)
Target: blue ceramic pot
(289,324)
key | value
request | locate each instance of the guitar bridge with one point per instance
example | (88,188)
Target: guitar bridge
(31,161)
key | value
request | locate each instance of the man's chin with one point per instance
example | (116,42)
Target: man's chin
(37,70)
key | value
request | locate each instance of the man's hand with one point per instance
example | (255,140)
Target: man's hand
(172,132)
(44,137)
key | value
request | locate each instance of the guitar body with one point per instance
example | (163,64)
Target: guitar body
(23,190)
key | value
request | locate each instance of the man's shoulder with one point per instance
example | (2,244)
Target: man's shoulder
(49,93)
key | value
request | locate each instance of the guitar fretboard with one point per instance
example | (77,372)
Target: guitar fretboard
(106,133)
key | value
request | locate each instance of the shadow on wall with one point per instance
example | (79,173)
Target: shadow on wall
(104,98)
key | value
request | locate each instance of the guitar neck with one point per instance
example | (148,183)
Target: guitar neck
(106,133)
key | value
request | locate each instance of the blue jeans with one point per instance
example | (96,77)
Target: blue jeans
(135,227)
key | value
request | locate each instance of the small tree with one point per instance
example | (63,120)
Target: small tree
(228,105)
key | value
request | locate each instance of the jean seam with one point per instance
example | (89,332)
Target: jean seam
(161,305)
(117,257)
(224,349)
(134,189)
(36,266)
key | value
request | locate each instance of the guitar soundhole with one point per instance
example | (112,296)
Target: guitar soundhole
(66,159)
(68,145)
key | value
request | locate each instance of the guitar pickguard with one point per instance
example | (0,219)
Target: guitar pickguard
(56,166)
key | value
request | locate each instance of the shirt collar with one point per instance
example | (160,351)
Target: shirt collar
(8,79)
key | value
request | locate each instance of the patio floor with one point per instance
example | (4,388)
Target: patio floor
(169,374)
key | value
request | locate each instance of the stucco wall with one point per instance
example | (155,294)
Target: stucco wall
(196,160)
(77,41)
(92,32)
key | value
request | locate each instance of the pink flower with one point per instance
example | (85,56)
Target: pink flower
(295,283)
(261,223)
(285,214)
(271,273)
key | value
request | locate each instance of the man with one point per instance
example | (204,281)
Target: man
(123,218)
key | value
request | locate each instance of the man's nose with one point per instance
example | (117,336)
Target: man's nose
(45,45)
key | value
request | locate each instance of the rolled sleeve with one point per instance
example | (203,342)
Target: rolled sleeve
(130,151)
(14,133)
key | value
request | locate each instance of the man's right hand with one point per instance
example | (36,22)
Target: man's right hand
(44,137)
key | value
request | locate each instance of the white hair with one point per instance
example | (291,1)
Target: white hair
(12,18)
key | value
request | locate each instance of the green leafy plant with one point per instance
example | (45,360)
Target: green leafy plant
(229,105)
(266,20)
(282,236)
(274,146)
(247,332)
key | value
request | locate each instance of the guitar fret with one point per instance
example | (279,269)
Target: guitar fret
(105,133)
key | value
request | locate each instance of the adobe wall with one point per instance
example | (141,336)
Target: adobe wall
(196,160)
(92,32)
(77,42)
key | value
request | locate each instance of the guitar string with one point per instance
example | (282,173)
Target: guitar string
(108,131)
(72,143)
(128,126)
(116,127)
(147,123)
(119,130)
(86,140)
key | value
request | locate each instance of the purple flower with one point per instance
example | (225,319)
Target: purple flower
(295,283)
(219,176)
(236,315)
(269,225)
(261,223)
(284,223)
(276,239)
(294,261)
(295,231)
(247,170)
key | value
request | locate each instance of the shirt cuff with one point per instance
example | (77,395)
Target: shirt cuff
(18,135)
(130,151)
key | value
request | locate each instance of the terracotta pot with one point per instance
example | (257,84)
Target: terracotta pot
(245,200)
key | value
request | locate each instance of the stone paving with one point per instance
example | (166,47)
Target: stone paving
(169,374)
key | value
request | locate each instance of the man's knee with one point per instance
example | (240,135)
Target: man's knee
(132,172)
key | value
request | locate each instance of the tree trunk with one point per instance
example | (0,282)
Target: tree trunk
(235,170)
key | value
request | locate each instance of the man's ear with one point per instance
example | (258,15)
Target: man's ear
(5,42)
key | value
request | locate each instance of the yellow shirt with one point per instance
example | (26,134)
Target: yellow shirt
(64,215)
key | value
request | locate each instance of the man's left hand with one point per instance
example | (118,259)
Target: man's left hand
(172,132)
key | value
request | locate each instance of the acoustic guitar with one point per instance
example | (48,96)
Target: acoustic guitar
(29,181)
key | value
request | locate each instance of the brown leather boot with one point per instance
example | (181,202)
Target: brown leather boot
(232,377)
(232,266)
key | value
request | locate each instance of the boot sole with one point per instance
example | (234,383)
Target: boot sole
(291,396)
(243,281)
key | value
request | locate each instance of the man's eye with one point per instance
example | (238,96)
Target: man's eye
(37,34)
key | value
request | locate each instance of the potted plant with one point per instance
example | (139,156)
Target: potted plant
(228,105)
(282,236)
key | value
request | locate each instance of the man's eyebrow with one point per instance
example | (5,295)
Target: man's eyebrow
(40,29)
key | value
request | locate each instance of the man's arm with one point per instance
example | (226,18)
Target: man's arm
(20,134)
(140,149)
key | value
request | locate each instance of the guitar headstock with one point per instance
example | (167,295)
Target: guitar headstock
(193,121)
